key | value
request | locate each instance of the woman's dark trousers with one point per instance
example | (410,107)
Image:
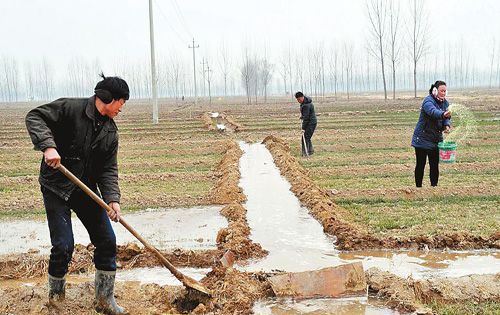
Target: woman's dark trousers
(422,155)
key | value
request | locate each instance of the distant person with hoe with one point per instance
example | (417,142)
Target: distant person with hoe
(435,118)
(80,134)
(309,122)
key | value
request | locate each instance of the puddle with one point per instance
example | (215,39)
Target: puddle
(185,228)
(351,306)
(159,275)
(419,264)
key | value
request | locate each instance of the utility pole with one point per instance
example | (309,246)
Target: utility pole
(208,79)
(153,65)
(194,70)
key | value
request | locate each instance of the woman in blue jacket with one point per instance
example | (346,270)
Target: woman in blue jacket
(434,119)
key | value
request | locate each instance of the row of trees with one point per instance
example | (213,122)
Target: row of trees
(339,69)
(394,57)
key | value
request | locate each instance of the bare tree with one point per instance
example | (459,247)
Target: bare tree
(265,74)
(29,81)
(283,71)
(394,40)
(333,68)
(299,71)
(45,79)
(224,65)
(492,61)
(377,14)
(248,74)
(175,74)
(418,28)
(348,66)
(290,70)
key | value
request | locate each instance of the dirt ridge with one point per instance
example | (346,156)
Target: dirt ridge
(411,295)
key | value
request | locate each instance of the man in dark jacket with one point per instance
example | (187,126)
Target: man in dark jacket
(309,122)
(80,134)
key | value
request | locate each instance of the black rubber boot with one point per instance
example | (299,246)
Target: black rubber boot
(104,297)
(57,288)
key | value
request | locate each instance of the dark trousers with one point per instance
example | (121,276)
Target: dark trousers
(422,155)
(308,133)
(95,220)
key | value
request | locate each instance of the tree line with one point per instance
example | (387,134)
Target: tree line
(394,56)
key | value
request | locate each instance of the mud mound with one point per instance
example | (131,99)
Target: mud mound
(137,299)
(349,236)
(207,121)
(235,292)
(226,190)
(231,123)
(336,221)
(236,236)
(410,295)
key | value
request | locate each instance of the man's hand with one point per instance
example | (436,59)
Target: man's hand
(52,157)
(115,215)
(446,129)
(447,114)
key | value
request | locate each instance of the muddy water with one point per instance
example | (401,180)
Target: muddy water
(159,275)
(420,264)
(351,306)
(296,242)
(193,228)
(294,239)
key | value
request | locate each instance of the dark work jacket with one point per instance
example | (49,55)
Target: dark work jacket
(429,129)
(307,113)
(67,124)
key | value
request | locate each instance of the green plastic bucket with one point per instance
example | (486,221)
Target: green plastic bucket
(447,151)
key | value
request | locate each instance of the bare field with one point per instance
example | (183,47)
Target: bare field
(363,156)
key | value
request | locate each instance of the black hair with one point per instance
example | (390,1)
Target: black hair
(299,94)
(436,85)
(111,88)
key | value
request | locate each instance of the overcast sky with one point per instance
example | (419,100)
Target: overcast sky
(114,30)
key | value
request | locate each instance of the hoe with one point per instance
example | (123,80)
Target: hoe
(188,282)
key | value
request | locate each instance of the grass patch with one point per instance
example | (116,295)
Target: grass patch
(487,308)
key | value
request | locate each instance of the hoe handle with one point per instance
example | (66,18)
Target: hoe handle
(101,202)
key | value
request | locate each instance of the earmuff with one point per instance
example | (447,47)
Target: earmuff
(104,95)
(434,91)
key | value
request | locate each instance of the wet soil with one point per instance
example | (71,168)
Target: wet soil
(207,121)
(227,172)
(135,298)
(236,237)
(32,265)
(410,295)
(350,236)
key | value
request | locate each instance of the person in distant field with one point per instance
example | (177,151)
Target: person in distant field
(435,118)
(309,122)
(80,134)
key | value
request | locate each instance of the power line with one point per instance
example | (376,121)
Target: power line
(181,17)
(181,39)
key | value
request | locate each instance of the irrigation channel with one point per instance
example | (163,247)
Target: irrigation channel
(294,239)
(296,242)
